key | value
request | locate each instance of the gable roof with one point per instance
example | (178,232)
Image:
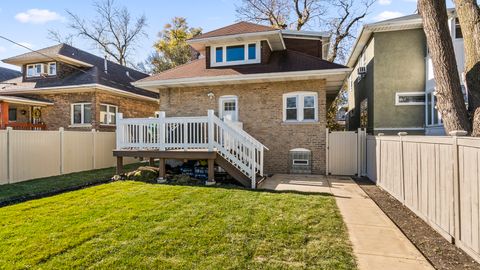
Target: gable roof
(7,74)
(89,70)
(235,29)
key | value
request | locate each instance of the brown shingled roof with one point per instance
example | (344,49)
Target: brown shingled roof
(280,61)
(235,29)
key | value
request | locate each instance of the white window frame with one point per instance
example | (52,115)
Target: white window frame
(48,68)
(82,124)
(221,108)
(35,73)
(213,55)
(300,106)
(108,114)
(398,94)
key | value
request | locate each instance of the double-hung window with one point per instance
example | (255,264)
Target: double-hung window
(108,114)
(300,107)
(235,54)
(81,113)
(52,69)
(34,70)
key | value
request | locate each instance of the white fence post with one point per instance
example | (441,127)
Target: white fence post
(9,155)
(119,131)
(327,156)
(456,182)
(402,165)
(94,142)
(62,149)
(161,130)
(211,114)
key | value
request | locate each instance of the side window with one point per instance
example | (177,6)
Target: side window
(300,107)
(81,113)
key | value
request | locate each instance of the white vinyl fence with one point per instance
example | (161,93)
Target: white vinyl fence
(26,155)
(435,177)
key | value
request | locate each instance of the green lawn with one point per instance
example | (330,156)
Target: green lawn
(133,225)
(40,186)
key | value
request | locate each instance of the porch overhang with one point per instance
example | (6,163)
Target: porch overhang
(24,101)
(334,79)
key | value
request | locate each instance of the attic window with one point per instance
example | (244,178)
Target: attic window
(34,70)
(235,54)
(52,69)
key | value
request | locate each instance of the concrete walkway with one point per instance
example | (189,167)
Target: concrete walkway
(377,242)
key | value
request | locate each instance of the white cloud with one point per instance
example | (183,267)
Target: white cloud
(38,16)
(388,15)
(385,2)
(2,49)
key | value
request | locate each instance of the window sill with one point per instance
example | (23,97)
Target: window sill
(108,125)
(80,126)
(300,122)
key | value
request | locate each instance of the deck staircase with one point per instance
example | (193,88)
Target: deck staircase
(237,152)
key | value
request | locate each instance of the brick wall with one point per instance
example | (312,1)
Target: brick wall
(261,111)
(59,115)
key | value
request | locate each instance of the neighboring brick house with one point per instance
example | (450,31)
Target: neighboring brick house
(273,83)
(62,86)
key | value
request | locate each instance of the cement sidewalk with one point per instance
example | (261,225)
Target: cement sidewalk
(377,242)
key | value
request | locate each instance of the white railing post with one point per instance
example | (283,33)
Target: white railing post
(119,131)
(211,114)
(253,163)
(161,131)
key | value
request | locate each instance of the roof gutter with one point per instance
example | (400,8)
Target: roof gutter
(81,86)
(276,76)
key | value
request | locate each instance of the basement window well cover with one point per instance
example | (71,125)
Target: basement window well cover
(300,161)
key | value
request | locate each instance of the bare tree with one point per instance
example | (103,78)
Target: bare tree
(345,15)
(278,13)
(450,104)
(56,36)
(113,30)
(344,24)
(468,14)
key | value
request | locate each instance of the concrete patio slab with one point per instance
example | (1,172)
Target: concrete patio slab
(377,242)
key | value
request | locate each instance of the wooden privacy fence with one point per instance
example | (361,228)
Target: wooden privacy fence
(26,155)
(435,177)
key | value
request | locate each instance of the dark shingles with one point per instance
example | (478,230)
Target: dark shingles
(282,61)
(235,29)
(7,74)
(116,75)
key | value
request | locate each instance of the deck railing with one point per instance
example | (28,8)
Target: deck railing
(193,133)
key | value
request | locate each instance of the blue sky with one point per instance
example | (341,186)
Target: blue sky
(28,21)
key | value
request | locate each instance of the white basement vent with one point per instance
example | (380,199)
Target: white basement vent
(300,161)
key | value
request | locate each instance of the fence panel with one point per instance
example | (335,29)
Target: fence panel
(420,172)
(469,170)
(3,158)
(78,150)
(104,145)
(33,154)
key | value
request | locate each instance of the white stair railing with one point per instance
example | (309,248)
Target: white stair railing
(193,133)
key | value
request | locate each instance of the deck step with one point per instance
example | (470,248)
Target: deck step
(235,172)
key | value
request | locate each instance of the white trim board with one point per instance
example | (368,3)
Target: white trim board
(400,128)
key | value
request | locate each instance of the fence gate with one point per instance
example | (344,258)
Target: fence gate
(345,152)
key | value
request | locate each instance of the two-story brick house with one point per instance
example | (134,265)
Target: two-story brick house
(275,84)
(62,86)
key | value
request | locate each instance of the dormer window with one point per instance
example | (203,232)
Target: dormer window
(52,69)
(235,54)
(34,70)
(39,69)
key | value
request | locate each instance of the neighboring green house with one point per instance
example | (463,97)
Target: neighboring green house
(391,86)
